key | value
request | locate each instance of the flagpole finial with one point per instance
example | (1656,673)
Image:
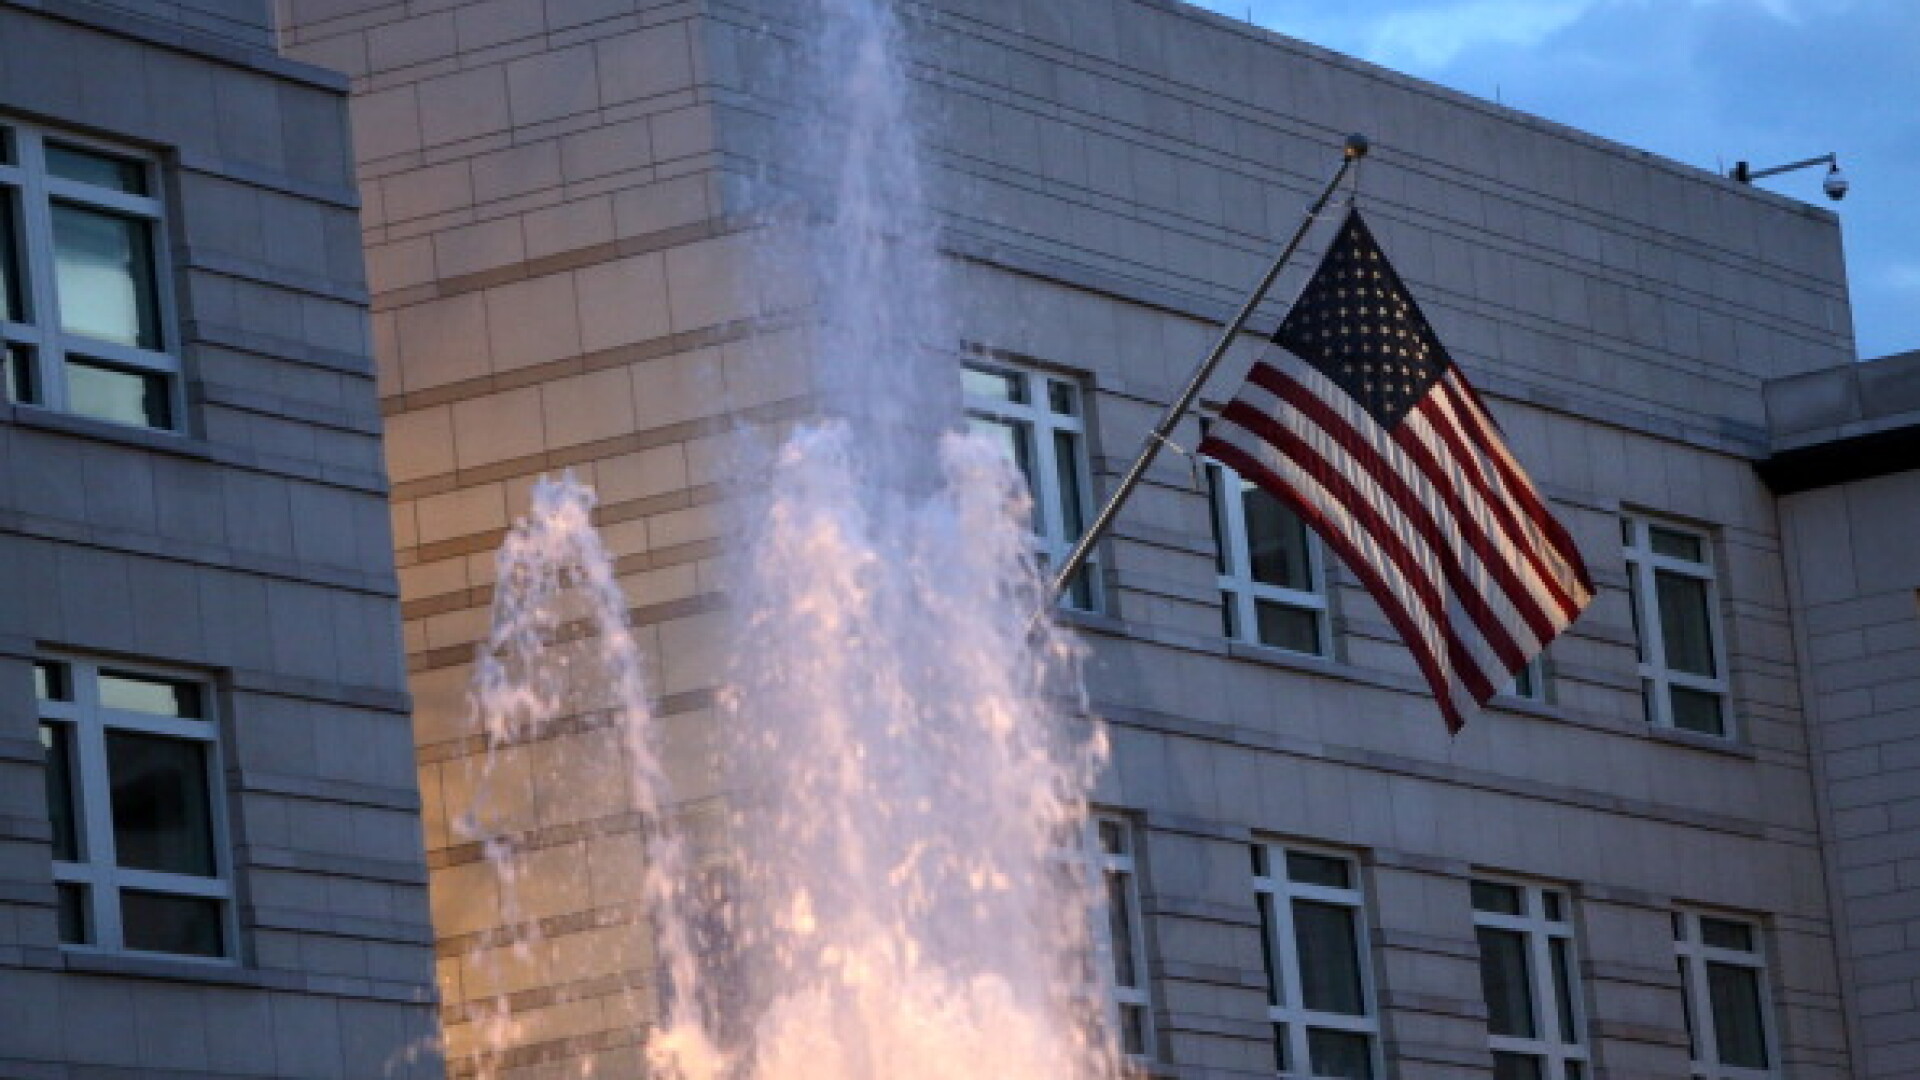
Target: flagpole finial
(1357,146)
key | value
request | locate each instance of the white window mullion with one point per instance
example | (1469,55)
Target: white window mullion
(36,255)
(96,808)
(1046,479)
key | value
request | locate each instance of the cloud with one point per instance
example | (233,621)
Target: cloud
(1706,82)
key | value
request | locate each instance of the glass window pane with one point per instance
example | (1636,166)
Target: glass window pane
(1276,541)
(1126,969)
(12,298)
(1066,462)
(993,384)
(1553,906)
(1686,626)
(1697,710)
(1340,1053)
(1281,1054)
(75,918)
(119,395)
(1626,532)
(100,170)
(162,816)
(157,922)
(1013,440)
(50,682)
(1284,626)
(1525,684)
(1266,949)
(1218,519)
(1686,1010)
(56,743)
(1317,870)
(1113,838)
(1724,934)
(1080,590)
(1516,1067)
(18,376)
(1676,544)
(1737,1024)
(1329,951)
(1634,600)
(1563,989)
(103,267)
(1502,899)
(1063,398)
(1133,1029)
(142,693)
(1505,981)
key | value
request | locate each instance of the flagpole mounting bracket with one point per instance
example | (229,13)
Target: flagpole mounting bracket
(1357,147)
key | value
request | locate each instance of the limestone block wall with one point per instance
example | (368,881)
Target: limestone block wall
(552,275)
(249,551)
(1856,593)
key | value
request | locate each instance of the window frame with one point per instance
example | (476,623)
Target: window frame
(1037,422)
(1537,932)
(1693,954)
(88,722)
(28,193)
(1275,892)
(1658,678)
(1240,593)
(1103,865)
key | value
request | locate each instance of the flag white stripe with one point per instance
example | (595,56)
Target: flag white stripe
(1478,574)
(1478,434)
(1420,424)
(1433,636)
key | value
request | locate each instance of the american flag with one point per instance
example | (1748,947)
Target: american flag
(1357,418)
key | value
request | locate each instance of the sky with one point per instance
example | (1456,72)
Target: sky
(1705,82)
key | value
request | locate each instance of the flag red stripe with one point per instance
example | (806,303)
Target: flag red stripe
(1432,427)
(1366,570)
(1414,509)
(1466,668)
(1487,434)
(1479,463)
(1491,546)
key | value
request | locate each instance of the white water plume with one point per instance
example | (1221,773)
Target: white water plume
(907,759)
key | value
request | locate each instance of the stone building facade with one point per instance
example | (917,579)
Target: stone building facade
(1619,870)
(210,856)
(1846,467)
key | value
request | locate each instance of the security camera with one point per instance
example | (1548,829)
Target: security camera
(1835,185)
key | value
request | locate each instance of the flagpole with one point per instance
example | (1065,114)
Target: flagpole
(1355,149)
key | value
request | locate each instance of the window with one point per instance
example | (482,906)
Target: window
(1530,682)
(1723,986)
(140,860)
(1039,420)
(1272,588)
(1676,619)
(1120,938)
(1319,983)
(83,317)
(1527,973)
